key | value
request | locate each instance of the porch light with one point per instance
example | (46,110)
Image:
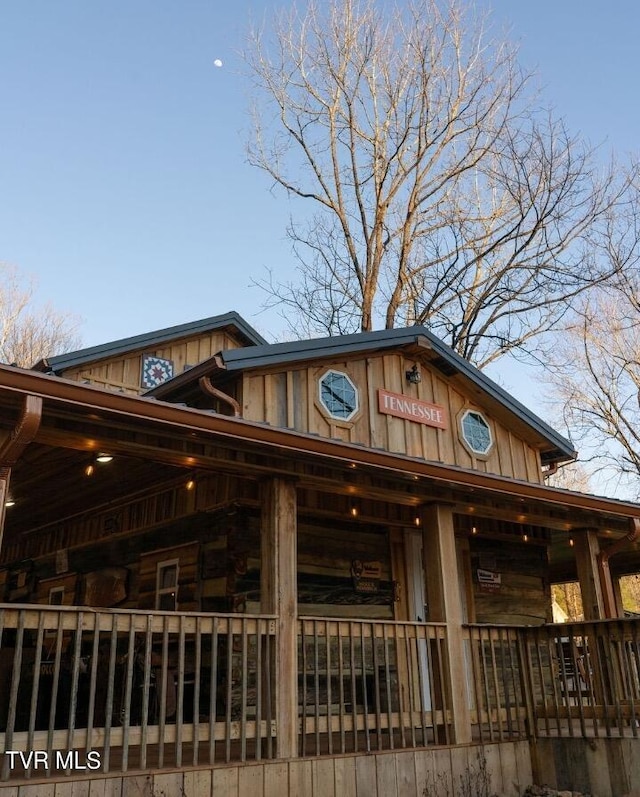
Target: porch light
(571,542)
(103,457)
(525,538)
(414,377)
(474,530)
(190,485)
(10,502)
(416,520)
(354,511)
(88,471)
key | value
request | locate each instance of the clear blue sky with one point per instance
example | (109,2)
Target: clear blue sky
(123,182)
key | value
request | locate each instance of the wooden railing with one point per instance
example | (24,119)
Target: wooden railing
(140,690)
(583,679)
(495,686)
(147,690)
(371,685)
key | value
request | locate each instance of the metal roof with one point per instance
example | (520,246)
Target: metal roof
(276,354)
(73,359)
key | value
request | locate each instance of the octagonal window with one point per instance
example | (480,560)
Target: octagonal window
(476,432)
(338,395)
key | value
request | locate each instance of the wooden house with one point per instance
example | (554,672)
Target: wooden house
(317,567)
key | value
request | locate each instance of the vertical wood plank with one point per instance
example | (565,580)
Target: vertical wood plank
(512,786)
(406,774)
(276,779)
(386,774)
(365,776)
(345,777)
(323,778)
(225,782)
(300,779)
(250,781)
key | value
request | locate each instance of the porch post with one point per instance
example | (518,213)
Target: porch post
(445,605)
(5,474)
(278,595)
(587,548)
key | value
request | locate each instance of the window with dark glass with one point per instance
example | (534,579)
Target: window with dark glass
(476,432)
(338,395)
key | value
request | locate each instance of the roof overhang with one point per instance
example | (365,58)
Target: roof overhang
(85,417)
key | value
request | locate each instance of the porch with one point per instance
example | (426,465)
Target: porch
(132,691)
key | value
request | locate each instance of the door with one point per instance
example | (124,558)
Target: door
(418,609)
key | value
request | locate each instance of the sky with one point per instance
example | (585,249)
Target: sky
(124,186)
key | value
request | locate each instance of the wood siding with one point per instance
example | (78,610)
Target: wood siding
(291,399)
(123,372)
(394,774)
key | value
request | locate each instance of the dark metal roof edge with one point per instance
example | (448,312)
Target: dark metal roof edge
(281,353)
(74,358)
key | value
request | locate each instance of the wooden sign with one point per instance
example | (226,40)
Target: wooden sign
(365,575)
(412,409)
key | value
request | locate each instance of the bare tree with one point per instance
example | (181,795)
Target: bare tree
(28,332)
(441,194)
(596,376)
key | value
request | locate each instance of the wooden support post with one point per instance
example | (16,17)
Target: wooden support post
(444,598)
(278,595)
(586,550)
(5,474)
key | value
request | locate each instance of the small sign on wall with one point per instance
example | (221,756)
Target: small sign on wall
(366,576)
(489,581)
(412,409)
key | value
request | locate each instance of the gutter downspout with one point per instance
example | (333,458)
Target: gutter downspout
(12,447)
(209,390)
(603,565)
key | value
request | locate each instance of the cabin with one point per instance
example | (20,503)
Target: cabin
(319,567)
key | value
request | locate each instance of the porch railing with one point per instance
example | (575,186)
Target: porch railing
(371,685)
(495,682)
(147,690)
(138,689)
(584,678)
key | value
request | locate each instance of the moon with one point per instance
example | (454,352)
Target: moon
(217,62)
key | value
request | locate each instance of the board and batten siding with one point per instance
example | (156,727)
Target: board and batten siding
(291,399)
(123,372)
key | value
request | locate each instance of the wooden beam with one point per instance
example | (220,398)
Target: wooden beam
(278,595)
(587,548)
(444,598)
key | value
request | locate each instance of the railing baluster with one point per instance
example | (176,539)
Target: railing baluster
(243,693)
(213,693)
(164,682)
(35,686)
(342,711)
(180,691)
(13,692)
(196,690)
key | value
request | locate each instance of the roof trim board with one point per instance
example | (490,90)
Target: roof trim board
(73,359)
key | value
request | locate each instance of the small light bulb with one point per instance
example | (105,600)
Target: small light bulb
(88,471)
(103,457)
(354,511)
(190,484)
